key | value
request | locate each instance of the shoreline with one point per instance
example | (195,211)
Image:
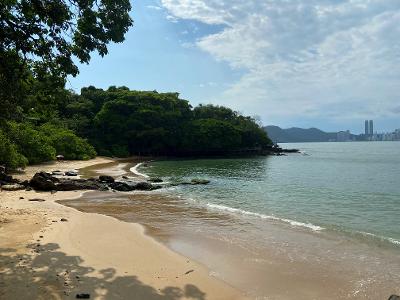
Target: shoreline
(47,258)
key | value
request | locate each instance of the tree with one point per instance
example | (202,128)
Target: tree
(41,38)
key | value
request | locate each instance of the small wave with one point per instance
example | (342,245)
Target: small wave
(262,216)
(379,237)
(135,171)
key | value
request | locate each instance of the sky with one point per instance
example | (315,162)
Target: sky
(329,64)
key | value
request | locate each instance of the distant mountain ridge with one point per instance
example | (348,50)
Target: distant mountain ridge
(298,135)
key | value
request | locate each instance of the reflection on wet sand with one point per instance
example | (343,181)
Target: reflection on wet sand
(261,257)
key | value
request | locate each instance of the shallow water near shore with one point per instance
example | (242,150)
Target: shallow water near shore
(318,225)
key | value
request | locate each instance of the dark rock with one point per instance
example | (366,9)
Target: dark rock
(125,177)
(144,186)
(121,186)
(106,179)
(4,177)
(79,184)
(60,157)
(36,200)
(13,187)
(394,297)
(63,220)
(155,179)
(43,181)
(83,296)
(71,173)
(199,181)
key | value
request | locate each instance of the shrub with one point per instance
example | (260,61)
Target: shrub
(33,144)
(67,143)
(9,155)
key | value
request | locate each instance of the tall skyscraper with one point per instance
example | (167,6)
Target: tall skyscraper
(366,128)
(371,127)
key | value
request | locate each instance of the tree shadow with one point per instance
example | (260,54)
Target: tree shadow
(47,273)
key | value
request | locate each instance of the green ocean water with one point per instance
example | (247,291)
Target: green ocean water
(347,188)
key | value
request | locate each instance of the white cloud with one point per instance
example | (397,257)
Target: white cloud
(304,56)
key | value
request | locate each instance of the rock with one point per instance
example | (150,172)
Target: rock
(106,179)
(121,186)
(80,184)
(155,179)
(57,173)
(4,177)
(60,157)
(43,181)
(125,177)
(63,220)
(199,181)
(37,200)
(71,173)
(144,186)
(13,187)
(394,297)
(83,296)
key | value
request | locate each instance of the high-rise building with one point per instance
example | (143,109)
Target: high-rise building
(366,128)
(371,127)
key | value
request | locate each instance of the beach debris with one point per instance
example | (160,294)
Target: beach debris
(64,220)
(82,296)
(13,187)
(155,179)
(71,173)
(199,181)
(36,200)
(394,297)
(106,179)
(188,272)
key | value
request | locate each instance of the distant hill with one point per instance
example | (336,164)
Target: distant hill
(298,135)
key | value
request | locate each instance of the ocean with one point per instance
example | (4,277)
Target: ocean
(320,224)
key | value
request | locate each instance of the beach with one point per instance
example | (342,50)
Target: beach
(51,251)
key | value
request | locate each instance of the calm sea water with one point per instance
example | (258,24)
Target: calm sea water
(350,188)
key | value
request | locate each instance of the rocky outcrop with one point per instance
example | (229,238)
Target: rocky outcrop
(394,297)
(43,181)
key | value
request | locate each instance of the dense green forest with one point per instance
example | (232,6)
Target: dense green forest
(40,118)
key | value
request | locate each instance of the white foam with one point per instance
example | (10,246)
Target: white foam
(135,171)
(385,238)
(262,216)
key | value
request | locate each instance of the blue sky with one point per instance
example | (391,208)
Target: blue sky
(307,63)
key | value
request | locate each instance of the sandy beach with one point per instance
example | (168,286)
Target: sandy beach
(50,251)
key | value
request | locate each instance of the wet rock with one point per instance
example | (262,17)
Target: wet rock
(394,297)
(144,186)
(106,179)
(121,186)
(43,181)
(71,173)
(199,181)
(155,179)
(82,296)
(4,177)
(13,187)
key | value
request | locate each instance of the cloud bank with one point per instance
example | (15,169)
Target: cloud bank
(328,58)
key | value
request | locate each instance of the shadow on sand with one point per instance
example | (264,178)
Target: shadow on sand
(48,273)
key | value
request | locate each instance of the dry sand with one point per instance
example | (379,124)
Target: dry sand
(42,257)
